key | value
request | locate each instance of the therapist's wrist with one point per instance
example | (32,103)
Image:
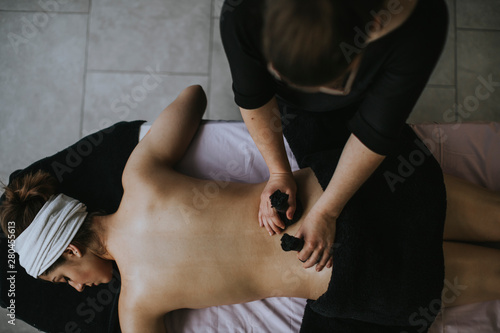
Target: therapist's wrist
(279,167)
(328,210)
(281,172)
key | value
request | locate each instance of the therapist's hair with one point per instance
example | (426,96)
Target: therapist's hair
(23,199)
(303,39)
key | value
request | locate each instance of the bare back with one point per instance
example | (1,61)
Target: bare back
(196,243)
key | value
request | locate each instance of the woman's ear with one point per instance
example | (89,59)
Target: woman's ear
(73,251)
(376,25)
(374,29)
(273,71)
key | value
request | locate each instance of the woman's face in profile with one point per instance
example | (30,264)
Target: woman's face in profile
(82,271)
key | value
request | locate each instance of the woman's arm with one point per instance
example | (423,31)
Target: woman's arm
(168,138)
(264,125)
(133,322)
(356,165)
(140,317)
(174,129)
(141,308)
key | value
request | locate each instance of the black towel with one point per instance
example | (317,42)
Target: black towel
(388,263)
(89,171)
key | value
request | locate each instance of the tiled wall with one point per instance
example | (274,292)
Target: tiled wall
(471,53)
(69,69)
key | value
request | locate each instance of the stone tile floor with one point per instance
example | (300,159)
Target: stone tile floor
(66,68)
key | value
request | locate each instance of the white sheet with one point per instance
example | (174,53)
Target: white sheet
(225,150)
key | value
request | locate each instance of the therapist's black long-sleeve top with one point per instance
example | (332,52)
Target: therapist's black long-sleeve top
(393,73)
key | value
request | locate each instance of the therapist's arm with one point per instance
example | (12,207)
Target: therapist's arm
(264,125)
(357,163)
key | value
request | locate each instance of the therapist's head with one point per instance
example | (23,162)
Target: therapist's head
(311,43)
(52,233)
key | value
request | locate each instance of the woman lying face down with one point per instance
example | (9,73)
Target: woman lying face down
(173,248)
(181,242)
(82,261)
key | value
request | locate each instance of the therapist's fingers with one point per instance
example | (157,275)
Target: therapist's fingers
(292,205)
(272,217)
(307,249)
(266,219)
(330,263)
(313,259)
(275,223)
(324,260)
(264,223)
(276,228)
(268,228)
(262,215)
(272,228)
(278,224)
(285,183)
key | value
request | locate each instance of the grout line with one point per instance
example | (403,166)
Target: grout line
(40,11)
(215,15)
(85,71)
(210,50)
(478,29)
(445,86)
(119,71)
(456,60)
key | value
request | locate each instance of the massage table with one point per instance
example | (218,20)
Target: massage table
(468,151)
(93,175)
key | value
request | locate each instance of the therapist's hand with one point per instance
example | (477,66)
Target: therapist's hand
(268,216)
(318,232)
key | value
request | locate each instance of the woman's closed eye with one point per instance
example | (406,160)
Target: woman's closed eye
(58,280)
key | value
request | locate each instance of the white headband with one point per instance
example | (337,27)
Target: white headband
(50,233)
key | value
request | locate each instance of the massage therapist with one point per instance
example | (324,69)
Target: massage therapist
(341,75)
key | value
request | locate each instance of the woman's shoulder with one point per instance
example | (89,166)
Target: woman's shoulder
(141,310)
(142,169)
(246,10)
(242,19)
(146,292)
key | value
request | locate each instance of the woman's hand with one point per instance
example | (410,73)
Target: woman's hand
(268,216)
(318,232)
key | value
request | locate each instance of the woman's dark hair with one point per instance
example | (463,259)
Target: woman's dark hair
(24,198)
(302,39)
